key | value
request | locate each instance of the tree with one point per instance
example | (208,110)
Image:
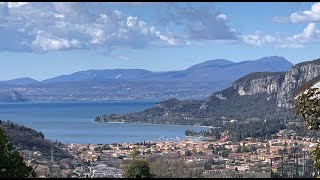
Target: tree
(99,158)
(138,169)
(11,162)
(239,149)
(188,153)
(135,153)
(307,104)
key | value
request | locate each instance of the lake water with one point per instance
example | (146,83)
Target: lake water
(73,122)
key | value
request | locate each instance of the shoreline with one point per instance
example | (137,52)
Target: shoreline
(186,138)
(81,101)
(115,122)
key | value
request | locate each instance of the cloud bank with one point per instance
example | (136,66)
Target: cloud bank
(312,15)
(43,27)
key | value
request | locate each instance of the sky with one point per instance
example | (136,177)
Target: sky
(42,40)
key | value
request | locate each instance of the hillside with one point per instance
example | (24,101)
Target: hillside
(20,81)
(263,95)
(11,96)
(25,138)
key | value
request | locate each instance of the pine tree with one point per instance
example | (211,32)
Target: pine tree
(11,162)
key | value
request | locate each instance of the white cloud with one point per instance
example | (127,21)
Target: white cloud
(98,35)
(71,25)
(258,39)
(131,21)
(222,17)
(46,42)
(312,15)
(16,4)
(165,38)
(309,35)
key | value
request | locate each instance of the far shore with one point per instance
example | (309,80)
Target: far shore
(115,122)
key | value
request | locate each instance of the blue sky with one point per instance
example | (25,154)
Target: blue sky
(43,40)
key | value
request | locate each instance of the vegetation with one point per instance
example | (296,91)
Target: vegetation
(138,169)
(28,139)
(226,103)
(307,104)
(11,162)
(255,129)
(171,166)
(240,130)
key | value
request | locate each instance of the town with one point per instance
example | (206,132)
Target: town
(286,155)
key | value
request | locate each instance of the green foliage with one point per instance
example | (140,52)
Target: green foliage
(173,167)
(200,112)
(188,153)
(255,129)
(28,139)
(11,162)
(138,169)
(308,105)
(315,154)
(135,153)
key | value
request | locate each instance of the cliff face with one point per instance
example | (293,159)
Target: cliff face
(294,78)
(259,83)
(280,85)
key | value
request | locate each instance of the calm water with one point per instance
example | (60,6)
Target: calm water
(74,122)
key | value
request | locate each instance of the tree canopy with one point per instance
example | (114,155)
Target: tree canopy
(307,104)
(11,162)
(138,169)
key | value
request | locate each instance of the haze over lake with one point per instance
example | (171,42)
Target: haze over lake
(73,122)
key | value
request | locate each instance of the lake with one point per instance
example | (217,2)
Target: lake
(73,122)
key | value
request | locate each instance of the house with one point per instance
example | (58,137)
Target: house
(238,168)
(104,171)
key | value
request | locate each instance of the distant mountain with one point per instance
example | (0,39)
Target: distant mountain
(276,63)
(20,81)
(210,63)
(11,96)
(224,70)
(102,75)
(209,71)
(195,82)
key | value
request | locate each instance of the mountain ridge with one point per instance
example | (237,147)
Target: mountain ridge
(137,84)
(212,67)
(139,74)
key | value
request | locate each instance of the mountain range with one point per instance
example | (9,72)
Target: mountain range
(259,95)
(195,82)
(208,71)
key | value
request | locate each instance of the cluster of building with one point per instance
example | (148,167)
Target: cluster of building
(285,156)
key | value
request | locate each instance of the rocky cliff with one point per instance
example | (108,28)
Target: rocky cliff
(259,83)
(280,85)
(294,78)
